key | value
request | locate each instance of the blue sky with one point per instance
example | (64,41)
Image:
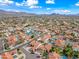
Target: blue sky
(41,6)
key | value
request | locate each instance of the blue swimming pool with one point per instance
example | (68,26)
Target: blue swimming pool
(65,57)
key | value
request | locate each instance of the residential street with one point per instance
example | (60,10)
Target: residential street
(28,55)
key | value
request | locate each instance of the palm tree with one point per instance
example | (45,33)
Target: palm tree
(76,54)
(68,51)
(45,54)
(57,50)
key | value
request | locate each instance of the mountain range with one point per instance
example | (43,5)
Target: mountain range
(12,13)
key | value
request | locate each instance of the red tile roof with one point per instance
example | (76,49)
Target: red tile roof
(59,42)
(11,39)
(7,55)
(54,55)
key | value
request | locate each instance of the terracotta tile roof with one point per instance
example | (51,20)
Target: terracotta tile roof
(21,34)
(75,45)
(7,55)
(45,47)
(57,31)
(46,36)
(13,52)
(54,55)
(60,37)
(42,47)
(48,47)
(27,37)
(35,44)
(11,39)
(59,42)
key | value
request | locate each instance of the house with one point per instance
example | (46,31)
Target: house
(46,37)
(6,55)
(54,55)
(48,47)
(35,45)
(21,36)
(60,37)
(57,31)
(59,42)
(13,52)
(27,37)
(75,47)
(44,46)
(11,39)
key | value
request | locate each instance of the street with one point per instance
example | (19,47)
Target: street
(28,55)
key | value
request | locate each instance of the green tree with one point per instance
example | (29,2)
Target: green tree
(76,54)
(45,55)
(57,50)
(32,36)
(68,51)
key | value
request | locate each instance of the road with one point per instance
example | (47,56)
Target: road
(18,46)
(28,55)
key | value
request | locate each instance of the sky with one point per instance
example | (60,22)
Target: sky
(41,6)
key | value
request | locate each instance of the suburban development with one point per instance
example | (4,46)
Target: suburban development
(30,36)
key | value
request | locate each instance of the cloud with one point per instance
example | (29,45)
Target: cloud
(31,2)
(35,7)
(6,2)
(62,11)
(13,10)
(26,3)
(77,4)
(50,2)
(19,4)
(48,8)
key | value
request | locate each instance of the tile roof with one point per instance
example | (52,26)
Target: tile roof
(7,55)
(54,55)
(11,39)
(59,42)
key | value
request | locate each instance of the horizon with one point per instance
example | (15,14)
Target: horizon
(41,7)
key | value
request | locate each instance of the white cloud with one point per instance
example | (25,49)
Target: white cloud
(13,10)
(50,2)
(5,2)
(66,11)
(62,11)
(19,4)
(27,3)
(16,11)
(77,4)
(48,8)
(35,7)
(31,2)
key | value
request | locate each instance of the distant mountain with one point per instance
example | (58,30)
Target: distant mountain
(12,13)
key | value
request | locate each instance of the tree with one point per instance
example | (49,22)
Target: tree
(68,51)
(45,54)
(76,54)
(6,46)
(57,50)
(32,36)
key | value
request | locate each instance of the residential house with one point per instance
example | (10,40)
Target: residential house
(6,55)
